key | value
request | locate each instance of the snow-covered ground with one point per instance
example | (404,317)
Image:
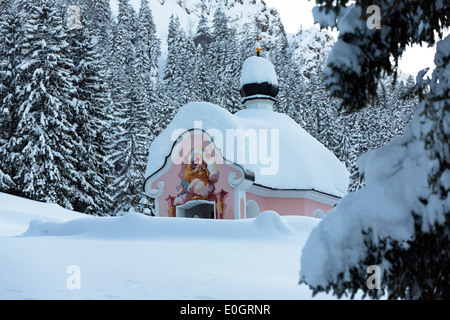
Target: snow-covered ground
(68,255)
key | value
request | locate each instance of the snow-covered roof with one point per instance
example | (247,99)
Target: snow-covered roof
(296,159)
(258,70)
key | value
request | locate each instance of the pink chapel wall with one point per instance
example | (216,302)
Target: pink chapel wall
(289,206)
(219,189)
(311,206)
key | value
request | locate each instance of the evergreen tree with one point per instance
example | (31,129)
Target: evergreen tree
(416,267)
(226,63)
(277,43)
(201,88)
(181,52)
(148,50)
(372,51)
(45,138)
(93,124)
(292,96)
(25,7)
(10,39)
(96,16)
(189,53)
(407,105)
(122,71)
(133,139)
(132,115)
(246,40)
(167,107)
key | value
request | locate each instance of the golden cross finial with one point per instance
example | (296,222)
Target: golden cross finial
(258,45)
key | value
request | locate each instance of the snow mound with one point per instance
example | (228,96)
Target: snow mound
(16,213)
(271,221)
(139,227)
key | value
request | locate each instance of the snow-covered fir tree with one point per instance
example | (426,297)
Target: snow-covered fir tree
(147,53)
(93,123)
(405,232)
(201,88)
(45,139)
(223,56)
(132,110)
(122,72)
(96,16)
(10,39)
(179,72)
(174,71)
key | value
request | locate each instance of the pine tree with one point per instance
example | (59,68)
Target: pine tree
(148,51)
(10,37)
(277,43)
(96,16)
(167,107)
(357,83)
(132,116)
(142,136)
(46,140)
(292,93)
(189,53)
(201,88)
(25,7)
(226,63)
(122,68)
(181,52)
(246,40)
(416,266)
(133,139)
(93,126)
(407,105)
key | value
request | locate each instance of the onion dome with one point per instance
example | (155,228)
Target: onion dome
(258,79)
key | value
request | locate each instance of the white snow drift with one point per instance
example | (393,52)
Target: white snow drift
(140,257)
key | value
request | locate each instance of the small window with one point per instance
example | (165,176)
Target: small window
(319,214)
(252,209)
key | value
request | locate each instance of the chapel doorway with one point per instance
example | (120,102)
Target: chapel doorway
(197,210)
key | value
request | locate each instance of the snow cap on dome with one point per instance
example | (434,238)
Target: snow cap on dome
(259,83)
(258,70)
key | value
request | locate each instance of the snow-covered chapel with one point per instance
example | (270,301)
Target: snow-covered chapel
(209,163)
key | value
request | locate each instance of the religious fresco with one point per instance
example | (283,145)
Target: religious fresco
(198,178)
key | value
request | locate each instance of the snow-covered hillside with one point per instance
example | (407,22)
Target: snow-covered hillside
(140,257)
(310,47)
(240,12)
(189,12)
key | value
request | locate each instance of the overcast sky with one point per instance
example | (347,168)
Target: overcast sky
(298,12)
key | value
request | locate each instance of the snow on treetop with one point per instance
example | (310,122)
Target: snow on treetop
(258,70)
(299,161)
